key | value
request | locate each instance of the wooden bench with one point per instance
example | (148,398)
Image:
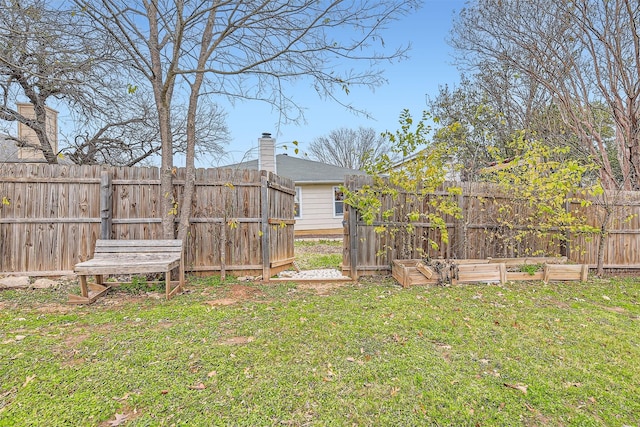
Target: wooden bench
(129,257)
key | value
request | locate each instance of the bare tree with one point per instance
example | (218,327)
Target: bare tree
(242,49)
(54,57)
(42,57)
(583,54)
(478,119)
(469,124)
(127,134)
(349,148)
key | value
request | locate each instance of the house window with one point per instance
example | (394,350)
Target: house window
(338,202)
(297,203)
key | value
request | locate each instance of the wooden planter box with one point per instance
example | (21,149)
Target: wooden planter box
(480,273)
(519,275)
(559,273)
(511,262)
(407,272)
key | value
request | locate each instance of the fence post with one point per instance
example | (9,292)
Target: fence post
(353,242)
(461,230)
(266,250)
(106,213)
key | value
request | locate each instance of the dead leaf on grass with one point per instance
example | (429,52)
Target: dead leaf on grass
(221,302)
(125,397)
(200,386)
(119,420)
(567,385)
(28,380)
(237,340)
(517,386)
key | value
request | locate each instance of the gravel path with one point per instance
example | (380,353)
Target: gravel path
(325,273)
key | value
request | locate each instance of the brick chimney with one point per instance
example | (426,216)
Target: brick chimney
(267,153)
(27,134)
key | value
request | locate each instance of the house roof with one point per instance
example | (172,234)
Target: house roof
(8,150)
(303,171)
(9,153)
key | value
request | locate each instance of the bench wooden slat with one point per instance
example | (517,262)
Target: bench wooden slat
(139,260)
(150,243)
(138,246)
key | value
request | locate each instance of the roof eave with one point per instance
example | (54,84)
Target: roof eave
(341,181)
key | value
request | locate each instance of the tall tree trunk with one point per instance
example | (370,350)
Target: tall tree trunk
(604,237)
(40,130)
(190,173)
(168,203)
(194,96)
(163,83)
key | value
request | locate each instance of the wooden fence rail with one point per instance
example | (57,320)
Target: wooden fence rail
(241,222)
(478,234)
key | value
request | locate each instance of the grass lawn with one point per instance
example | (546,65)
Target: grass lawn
(314,254)
(293,354)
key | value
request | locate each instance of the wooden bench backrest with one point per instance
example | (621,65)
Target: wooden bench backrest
(138,246)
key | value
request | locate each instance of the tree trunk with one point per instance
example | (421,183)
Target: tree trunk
(41,132)
(194,96)
(168,204)
(604,236)
(190,173)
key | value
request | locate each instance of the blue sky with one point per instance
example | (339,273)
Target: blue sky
(428,67)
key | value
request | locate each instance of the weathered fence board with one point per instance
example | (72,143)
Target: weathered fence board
(56,213)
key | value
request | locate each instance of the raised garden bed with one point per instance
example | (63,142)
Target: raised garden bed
(414,272)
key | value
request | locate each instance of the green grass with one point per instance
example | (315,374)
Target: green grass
(365,354)
(531,269)
(315,254)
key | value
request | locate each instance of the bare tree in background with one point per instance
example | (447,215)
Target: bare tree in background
(243,50)
(349,148)
(128,135)
(583,54)
(56,58)
(45,54)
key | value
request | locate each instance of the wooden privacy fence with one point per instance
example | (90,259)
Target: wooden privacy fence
(478,234)
(242,220)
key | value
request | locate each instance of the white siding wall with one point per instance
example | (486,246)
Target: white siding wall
(317,209)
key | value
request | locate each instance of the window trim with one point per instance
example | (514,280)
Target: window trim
(337,215)
(298,195)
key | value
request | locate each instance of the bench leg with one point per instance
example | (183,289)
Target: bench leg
(171,292)
(84,289)
(167,284)
(88,292)
(181,274)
